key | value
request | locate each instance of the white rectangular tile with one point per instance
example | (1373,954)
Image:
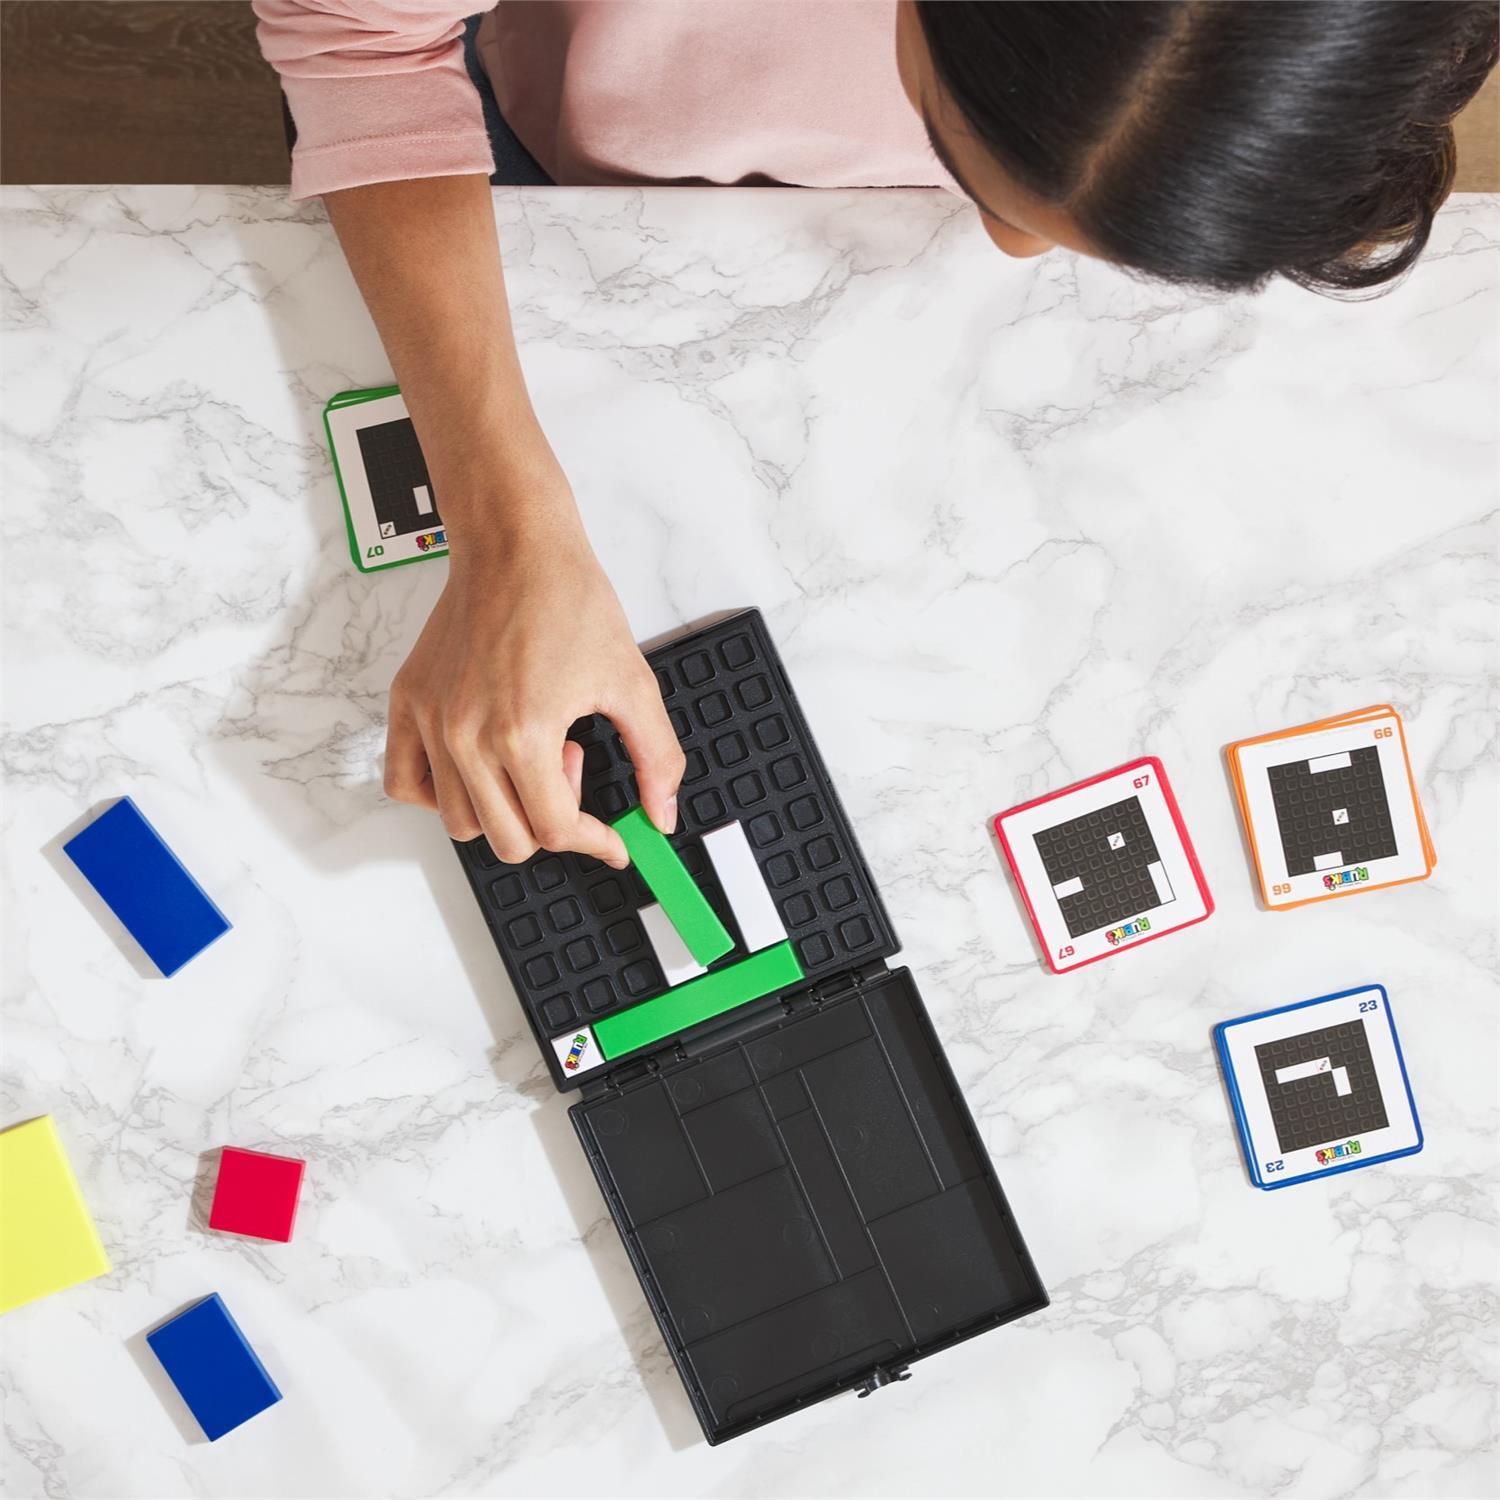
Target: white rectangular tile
(749,898)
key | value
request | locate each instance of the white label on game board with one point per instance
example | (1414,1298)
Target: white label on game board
(577,1051)
(1133,879)
(1350,820)
(1319,1087)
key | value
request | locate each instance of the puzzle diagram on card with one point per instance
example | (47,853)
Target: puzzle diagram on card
(1104,865)
(389,504)
(1331,808)
(1319,1087)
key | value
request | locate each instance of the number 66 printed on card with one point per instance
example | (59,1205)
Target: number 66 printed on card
(1104,865)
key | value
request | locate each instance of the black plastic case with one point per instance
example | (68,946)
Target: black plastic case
(799,1182)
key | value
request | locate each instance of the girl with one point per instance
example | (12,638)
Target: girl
(1216,144)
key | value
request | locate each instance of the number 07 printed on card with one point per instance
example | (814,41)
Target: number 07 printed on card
(1104,865)
(1331,808)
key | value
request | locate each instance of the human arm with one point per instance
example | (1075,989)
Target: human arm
(528,635)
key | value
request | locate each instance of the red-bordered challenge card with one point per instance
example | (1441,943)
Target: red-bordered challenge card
(1104,865)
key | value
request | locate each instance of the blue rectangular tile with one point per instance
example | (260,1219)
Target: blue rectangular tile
(139,878)
(214,1369)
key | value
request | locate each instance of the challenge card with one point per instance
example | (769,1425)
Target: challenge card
(389,504)
(1331,808)
(1319,1087)
(1104,865)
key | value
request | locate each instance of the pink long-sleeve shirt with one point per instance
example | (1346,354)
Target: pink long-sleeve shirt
(600,91)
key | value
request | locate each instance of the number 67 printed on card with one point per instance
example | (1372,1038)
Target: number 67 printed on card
(1331,808)
(1104,865)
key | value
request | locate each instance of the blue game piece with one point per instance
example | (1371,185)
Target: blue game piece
(214,1369)
(1319,1087)
(164,909)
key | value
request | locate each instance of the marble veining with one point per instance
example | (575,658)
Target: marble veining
(1012,523)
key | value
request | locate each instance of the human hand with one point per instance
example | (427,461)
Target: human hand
(527,637)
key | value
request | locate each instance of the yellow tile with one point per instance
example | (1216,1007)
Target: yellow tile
(47,1239)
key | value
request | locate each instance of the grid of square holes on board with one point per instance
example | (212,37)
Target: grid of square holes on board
(567,925)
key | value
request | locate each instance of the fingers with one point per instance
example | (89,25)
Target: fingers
(547,771)
(474,793)
(497,805)
(651,742)
(453,801)
(407,777)
(573,767)
(419,769)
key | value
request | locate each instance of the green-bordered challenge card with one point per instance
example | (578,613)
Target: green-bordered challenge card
(389,505)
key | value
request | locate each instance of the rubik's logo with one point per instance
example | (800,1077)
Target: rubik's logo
(1117,935)
(1329,1154)
(1346,877)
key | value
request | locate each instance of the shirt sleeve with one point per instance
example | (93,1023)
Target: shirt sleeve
(379,91)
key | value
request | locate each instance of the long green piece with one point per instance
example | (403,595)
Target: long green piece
(668,880)
(708,995)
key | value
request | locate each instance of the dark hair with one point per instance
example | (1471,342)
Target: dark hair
(1221,142)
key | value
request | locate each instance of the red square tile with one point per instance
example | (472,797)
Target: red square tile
(256,1194)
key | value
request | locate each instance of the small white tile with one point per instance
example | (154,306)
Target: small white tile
(671,952)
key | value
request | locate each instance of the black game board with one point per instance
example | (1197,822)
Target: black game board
(1309,1111)
(567,925)
(798,1182)
(395,468)
(804,1204)
(1342,811)
(1110,851)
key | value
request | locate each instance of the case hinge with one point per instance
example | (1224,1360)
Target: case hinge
(634,1070)
(880,1376)
(842,985)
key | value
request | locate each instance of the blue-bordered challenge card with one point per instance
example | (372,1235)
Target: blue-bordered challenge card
(1319,1087)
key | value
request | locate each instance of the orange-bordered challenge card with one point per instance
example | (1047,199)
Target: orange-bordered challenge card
(1331,808)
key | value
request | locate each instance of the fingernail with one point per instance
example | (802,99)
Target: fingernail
(671,812)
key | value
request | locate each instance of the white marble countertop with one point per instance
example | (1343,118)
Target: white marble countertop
(1012,523)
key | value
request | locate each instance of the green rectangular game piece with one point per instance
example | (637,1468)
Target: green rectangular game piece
(668,880)
(699,999)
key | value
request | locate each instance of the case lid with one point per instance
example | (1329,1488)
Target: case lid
(807,1204)
(569,928)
